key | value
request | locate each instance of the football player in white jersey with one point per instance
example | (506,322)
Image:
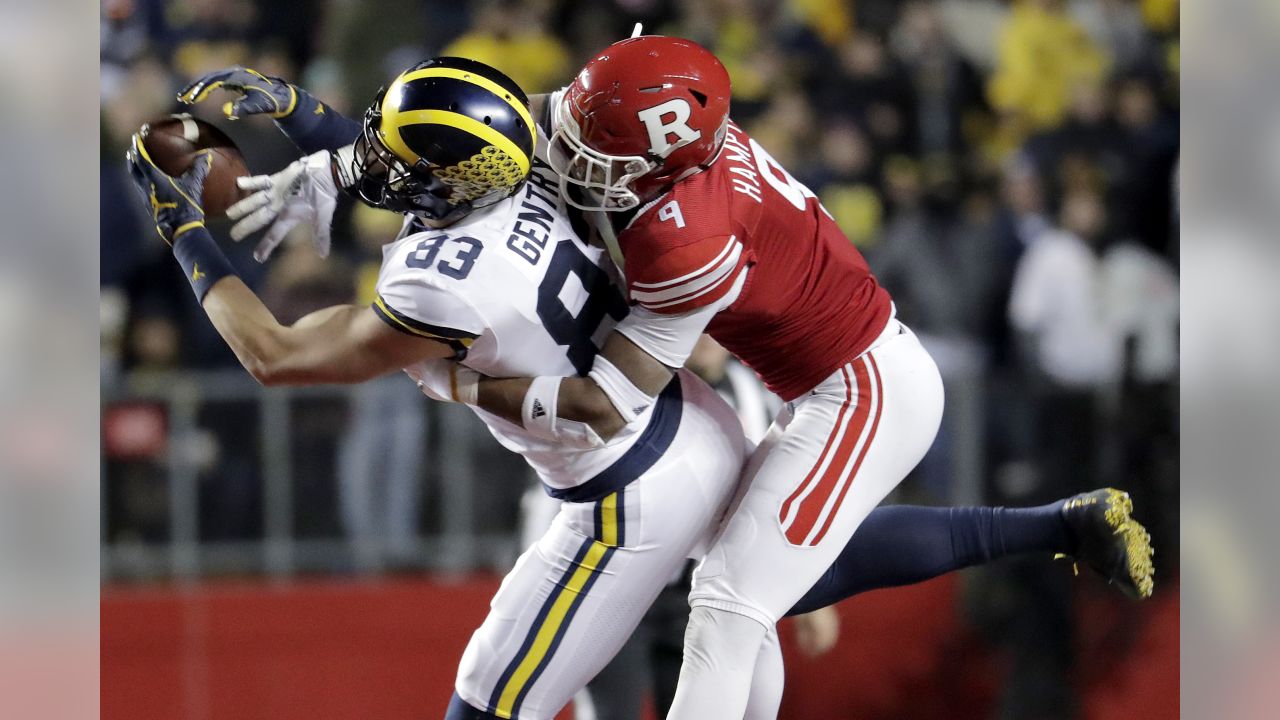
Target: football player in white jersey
(488,268)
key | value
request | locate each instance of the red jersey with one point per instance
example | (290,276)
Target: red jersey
(810,303)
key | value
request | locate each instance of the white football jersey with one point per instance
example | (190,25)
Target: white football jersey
(518,293)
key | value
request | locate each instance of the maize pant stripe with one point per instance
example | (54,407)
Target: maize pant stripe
(549,628)
(556,615)
(609,525)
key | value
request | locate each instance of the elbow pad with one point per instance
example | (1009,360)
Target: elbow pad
(539,415)
(627,399)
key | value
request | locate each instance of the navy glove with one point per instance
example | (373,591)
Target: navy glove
(259,94)
(175,202)
(310,124)
(175,206)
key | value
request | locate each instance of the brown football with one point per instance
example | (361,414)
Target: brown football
(173,143)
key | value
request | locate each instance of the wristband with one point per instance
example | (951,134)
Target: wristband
(626,398)
(312,125)
(294,95)
(538,413)
(303,105)
(201,259)
(540,417)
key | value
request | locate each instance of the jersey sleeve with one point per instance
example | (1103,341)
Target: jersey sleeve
(680,278)
(411,304)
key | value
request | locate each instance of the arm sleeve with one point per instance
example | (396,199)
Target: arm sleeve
(669,338)
(414,306)
(677,280)
(314,126)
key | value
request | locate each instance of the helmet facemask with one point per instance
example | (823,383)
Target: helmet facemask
(386,181)
(603,181)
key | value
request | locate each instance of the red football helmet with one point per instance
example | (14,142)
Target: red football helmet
(644,113)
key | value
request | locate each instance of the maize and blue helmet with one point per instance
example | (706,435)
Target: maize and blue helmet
(448,137)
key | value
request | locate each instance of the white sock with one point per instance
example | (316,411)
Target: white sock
(720,653)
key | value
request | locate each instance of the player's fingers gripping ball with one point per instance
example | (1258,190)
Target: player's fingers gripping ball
(174,143)
(174,202)
(175,179)
(258,94)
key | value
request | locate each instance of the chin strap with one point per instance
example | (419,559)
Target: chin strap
(604,227)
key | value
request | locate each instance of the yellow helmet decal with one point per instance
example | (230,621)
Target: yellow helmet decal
(501,162)
(484,82)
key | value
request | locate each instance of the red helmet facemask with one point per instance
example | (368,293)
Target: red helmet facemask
(644,113)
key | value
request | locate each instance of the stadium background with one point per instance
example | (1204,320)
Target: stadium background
(318,553)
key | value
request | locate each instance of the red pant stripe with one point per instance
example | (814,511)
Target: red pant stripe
(835,432)
(853,476)
(811,507)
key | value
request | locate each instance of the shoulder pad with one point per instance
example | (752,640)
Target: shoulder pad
(414,299)
(680,278)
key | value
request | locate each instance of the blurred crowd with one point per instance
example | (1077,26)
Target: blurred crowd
(1007,167)
(945,137)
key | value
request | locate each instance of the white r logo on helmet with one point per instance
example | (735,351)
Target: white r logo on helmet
(653,119)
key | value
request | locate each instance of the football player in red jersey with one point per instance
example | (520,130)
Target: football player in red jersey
(714,234)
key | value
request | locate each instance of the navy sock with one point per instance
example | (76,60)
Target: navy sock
(460,710)
(905,544)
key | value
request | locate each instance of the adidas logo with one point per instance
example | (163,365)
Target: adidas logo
(538,410)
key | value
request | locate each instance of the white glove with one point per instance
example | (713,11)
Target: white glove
(302,192)
(446,381)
